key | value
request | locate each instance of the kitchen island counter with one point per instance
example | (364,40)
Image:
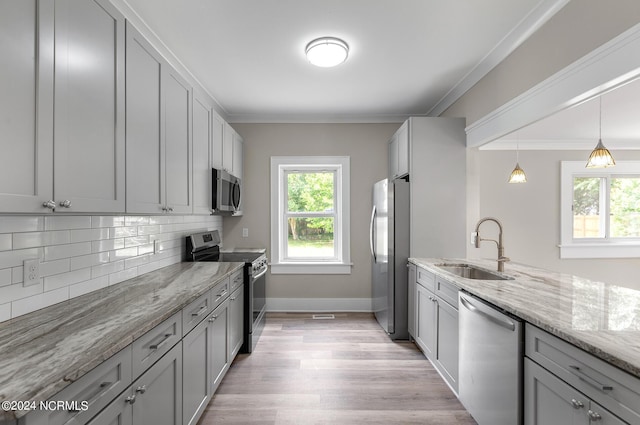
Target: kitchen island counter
(600,318)
(44,351)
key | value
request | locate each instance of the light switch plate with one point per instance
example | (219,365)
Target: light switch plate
(31,272)
(245,232)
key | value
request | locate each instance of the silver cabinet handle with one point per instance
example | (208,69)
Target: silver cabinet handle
(589,380)
(49,204)
(65,204)
(221,294)
(234,298)
(594,416)
(212,319)
(577,404)
(161,343)
(170,209)
(141,389)
(200,312)
(131,399)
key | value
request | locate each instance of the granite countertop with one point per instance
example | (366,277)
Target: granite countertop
(44,351)
(600,318)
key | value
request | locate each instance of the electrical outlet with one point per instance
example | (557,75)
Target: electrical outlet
(245,232)
(474,237)
(31,272)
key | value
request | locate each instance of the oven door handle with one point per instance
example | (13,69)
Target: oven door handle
(262,273)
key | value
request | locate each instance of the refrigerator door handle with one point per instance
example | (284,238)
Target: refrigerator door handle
(371,233)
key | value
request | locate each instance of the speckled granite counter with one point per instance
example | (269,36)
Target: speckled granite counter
(600,318)
(44,351)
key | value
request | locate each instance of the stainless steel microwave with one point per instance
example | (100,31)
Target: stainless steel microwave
(226,193)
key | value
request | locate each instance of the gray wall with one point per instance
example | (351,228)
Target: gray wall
(366,144)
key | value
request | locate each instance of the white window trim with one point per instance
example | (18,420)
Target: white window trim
(590,248)
(279,164)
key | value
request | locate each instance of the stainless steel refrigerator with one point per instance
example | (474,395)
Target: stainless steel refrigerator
(389,242)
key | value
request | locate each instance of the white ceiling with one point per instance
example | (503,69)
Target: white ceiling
(408,57)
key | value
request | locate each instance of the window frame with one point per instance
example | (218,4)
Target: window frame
(606,247)
(280,167)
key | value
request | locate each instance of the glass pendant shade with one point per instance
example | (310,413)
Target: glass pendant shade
(600,157)
(517,175)
(326,52)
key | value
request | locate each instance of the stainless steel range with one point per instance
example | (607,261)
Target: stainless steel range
(204,246)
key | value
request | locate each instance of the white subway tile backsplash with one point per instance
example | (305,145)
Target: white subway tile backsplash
(66,279)
(66,251)
(81,254)
(36,302)
(5,242)
(66,222)
(36,239)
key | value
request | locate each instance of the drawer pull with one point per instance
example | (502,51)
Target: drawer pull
(200,312)
(212,319)
(594,416)
(141,389)
(222,294)
(589,380)
(577,404)
(161,343)
(131,399)
(234,298)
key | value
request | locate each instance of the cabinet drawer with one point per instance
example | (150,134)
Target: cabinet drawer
(97,388)
(614,389)
(219,293)
(195,312)
(236,279)
(426,279)
(447,291)
(152,345)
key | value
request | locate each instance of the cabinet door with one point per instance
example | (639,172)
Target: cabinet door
(238,144)
(393,156)
(176,98)
(26,105)
(196,378)
(119,412)
(412,296)
(227,148)
(145,165)
(236,322)
(218,142)
(219,343)
(89,107)
(426,322)
(403,149)
(202,147)
(550,401)
(159,392)
(447,345)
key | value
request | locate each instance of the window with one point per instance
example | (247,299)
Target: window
(310,215)
(600,211)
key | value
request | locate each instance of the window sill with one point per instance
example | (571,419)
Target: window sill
(310,268)
(600,250)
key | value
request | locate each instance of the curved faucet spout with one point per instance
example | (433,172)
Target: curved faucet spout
(501,258)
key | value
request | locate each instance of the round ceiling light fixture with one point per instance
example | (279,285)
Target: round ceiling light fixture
(327,51)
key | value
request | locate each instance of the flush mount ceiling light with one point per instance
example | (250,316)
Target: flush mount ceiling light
(600,156)
(327,52)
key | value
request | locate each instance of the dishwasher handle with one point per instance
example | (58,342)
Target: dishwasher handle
(505,323)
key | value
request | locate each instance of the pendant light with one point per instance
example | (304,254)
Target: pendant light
(517,175)
(600,156)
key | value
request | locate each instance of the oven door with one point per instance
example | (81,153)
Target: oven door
(257,303)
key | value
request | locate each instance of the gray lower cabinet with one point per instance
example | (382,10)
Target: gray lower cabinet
(196,379)
(550,401)
(411,300)
(153,399)
(436,323)
(236,324)
(219,322)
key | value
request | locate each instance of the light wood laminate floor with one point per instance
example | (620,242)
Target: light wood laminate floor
(341,371)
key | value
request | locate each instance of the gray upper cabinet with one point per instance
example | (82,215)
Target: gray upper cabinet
(158,132)
(227,147)
(67,55)
(89,107)
(202,153)
(399,152)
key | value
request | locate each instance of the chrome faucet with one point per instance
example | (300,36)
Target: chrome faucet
(501,258)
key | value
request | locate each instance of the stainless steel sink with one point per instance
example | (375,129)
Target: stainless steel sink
(471,272)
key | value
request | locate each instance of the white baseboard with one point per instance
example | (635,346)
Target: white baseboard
(319,305)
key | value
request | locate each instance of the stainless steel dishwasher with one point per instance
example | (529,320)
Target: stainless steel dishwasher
(490,369)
